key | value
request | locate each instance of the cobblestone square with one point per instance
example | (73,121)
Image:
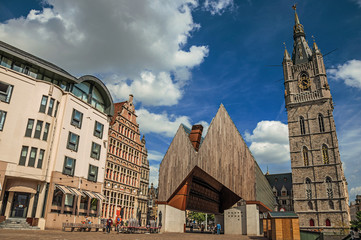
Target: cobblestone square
(60,235)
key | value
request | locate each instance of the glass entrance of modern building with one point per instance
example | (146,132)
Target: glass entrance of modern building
(20,205)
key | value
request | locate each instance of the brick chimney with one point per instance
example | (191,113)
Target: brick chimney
(196,136)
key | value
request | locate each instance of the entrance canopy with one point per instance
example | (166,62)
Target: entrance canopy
(201,192)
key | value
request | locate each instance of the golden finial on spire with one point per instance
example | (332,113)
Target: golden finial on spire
(294,6)
(284,44)
(313,38)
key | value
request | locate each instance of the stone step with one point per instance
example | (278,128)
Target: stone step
(17,223)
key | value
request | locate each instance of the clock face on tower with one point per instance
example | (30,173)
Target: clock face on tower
(304,82)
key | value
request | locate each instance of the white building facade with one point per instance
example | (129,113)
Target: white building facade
(53,141)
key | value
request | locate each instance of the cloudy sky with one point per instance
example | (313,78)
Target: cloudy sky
(182,58)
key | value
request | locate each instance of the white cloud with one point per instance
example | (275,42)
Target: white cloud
(349,72)
(205,127)
(269,142)
(355,191)
(155,155)
(153,175)
(138,41)
(149,89)
(163,123)
(217,6)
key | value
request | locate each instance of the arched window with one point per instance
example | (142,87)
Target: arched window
(325,154)
(310,205)
(312,222)
(329,187)
(328,222)
(305,156)
(331,204)
(302,125)
(320,123)
(308,189)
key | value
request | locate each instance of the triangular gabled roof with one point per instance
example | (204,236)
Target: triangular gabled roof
(223,155)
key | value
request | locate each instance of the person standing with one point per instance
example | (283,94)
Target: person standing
(218,228)
(109,225)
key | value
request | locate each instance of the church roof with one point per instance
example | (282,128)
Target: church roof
(279,180)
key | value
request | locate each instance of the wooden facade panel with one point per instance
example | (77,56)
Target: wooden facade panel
(223,155)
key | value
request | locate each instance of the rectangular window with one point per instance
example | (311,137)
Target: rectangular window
(93,173)
(5,92)
(69,200)
(73,141)
(56,108)
(23,155)
(95,153)
(32,157)
(6,62)
(29,128)
(76,118)
(51,106)
(41,158)
(98,129)
(2,119)
(18,67)
(43,103)
(46,132)
(39,126)
(69,166)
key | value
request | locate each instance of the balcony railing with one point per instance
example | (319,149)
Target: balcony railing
(306,96)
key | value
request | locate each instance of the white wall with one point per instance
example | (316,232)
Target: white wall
(173,219)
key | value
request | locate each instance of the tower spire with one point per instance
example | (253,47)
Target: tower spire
(301,51)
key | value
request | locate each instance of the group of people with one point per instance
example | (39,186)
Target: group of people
(118,223)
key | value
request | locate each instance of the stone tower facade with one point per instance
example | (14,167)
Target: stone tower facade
(319,184)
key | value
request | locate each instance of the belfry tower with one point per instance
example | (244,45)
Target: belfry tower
(319,185)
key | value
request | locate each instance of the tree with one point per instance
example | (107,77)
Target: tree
(198,216)
(357,222)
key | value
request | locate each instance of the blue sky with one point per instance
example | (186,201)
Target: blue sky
(181,59)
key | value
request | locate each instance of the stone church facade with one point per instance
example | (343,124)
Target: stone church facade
(319,185)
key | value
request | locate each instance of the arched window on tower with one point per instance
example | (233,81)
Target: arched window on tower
(325,154)
(305,156)
(312,222)
(310,205)
(330,203)
(320,123)
(328,222)
(329,187)
(308,189)
(302,125)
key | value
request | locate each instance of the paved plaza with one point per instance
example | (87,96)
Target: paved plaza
(60,235)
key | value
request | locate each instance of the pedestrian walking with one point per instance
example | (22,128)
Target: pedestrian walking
(109,225)
(218,228)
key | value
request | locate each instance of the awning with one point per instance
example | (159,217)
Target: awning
(25,189)
(76,191)
(21,185)
(100,196)
(89,194)
(64,189)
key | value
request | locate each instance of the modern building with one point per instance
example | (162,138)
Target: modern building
(53,141)
(212,176)
(281,185)
(127,167)
(319,184)
(355,207)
